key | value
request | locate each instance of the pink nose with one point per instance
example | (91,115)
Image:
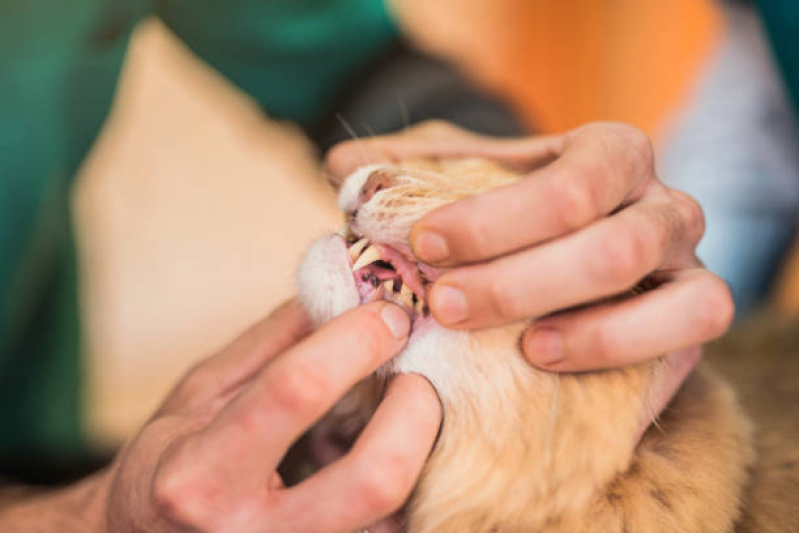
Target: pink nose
(378,180)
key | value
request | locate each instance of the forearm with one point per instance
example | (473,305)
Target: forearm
(78,507)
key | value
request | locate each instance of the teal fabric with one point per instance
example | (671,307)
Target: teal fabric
(781,18)
(58,69)
(291,55)
(59,62)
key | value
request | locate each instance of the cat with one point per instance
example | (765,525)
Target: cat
(520,449)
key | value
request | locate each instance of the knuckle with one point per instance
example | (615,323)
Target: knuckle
(619,262)
(623,135)
(639,142)
(385,484)
(339,159)
(435,127)
(635,143)
(479,236)
(717,310)
(199,380)
(624,143)
(504,298)
(172,495)
(298,388)
(576,201)
(605,346)
(691,215)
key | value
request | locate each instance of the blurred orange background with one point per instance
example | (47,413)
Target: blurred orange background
(562,64)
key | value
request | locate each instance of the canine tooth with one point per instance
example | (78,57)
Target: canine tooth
(369,256)
(406,296)
(388,285)
(406,292)
(356,249)
(419,307)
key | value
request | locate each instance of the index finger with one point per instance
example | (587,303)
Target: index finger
(242,358)
(602,166)
(442,141)
(296,389)
(379,472)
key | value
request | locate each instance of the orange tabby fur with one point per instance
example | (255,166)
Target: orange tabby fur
(524,450)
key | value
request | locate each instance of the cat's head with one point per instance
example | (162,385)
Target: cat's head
(572,433)
(370,259)
(519,447)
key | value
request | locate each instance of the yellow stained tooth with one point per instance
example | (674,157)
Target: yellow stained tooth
(388,285)
(368,257)
(405,291)
(406,297)
(356,249)
(419,307)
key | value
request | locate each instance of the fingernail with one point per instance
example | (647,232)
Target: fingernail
(397,320)
(451,305)
(544,347)
(431,247)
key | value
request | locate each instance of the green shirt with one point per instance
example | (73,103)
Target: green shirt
(781,18)
(59,62)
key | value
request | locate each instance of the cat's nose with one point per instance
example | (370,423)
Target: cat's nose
(378,180)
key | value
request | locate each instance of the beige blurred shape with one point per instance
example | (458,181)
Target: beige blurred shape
(192,213)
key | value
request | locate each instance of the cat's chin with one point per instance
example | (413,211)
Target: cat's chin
(327,287)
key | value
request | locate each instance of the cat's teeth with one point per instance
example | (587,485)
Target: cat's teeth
(405,301)
(419,307)
(406,291)
(406,295)
(388,285)
(369,256)
(356,249)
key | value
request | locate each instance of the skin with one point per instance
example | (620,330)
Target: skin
(207,459)
(589,220)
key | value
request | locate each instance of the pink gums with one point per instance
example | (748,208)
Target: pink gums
(416,276)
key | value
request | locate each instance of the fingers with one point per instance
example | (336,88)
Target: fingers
(243,358)
(666,383)
(693,308)
(604,259)
(440,140)
(601,167)
(375,478)
(392,524)
(293,391)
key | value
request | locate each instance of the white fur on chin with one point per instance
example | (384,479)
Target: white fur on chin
(325,284)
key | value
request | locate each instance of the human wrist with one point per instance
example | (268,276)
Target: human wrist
(78,507)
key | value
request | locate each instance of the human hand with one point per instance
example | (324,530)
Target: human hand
(207,460)
(589,220)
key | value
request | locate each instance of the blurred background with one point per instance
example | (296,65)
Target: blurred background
(160,163)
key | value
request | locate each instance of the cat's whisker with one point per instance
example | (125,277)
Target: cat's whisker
(347,127)
(369,129)
(406,118)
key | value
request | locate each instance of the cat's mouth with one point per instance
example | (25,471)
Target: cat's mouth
(383,272)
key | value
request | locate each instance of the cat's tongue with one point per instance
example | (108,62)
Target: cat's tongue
(384,272)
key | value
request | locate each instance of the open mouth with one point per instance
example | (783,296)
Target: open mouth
(382,272)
